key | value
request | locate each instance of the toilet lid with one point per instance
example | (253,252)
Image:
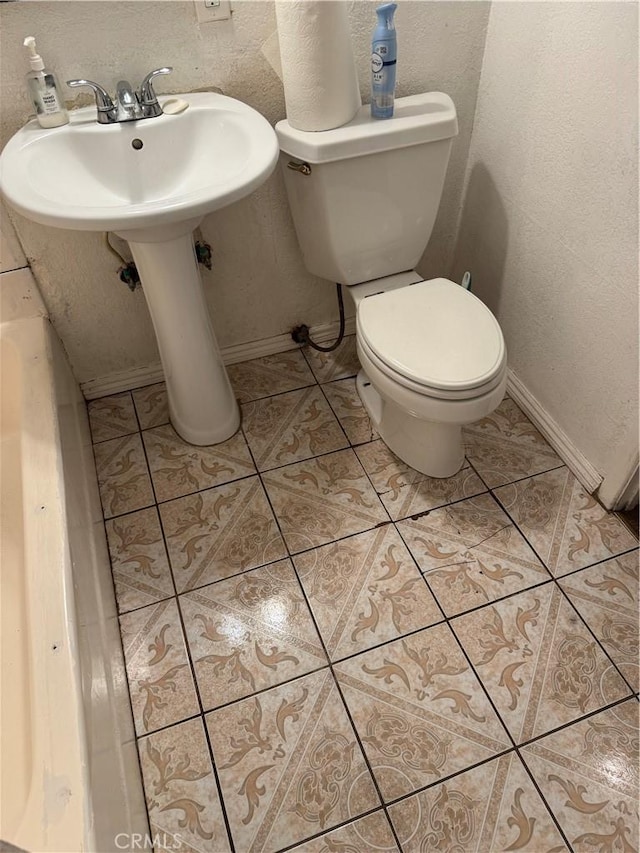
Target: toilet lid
(435,333)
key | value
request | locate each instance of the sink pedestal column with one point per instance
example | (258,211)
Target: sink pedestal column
(202,406)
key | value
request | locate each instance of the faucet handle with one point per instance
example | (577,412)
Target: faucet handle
(103,100)
(146,95)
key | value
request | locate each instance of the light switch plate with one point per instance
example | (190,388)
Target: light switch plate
(212,10)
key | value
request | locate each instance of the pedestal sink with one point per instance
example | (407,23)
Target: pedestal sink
(151,182)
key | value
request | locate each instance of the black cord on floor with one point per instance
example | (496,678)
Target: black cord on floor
(301,333)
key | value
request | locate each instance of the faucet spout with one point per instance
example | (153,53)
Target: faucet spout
(127,103)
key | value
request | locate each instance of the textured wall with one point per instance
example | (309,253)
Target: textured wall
(259,287)
(549,222)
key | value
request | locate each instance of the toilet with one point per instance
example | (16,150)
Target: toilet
(364,198)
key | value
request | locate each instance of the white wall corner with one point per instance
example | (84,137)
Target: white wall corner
(573,458)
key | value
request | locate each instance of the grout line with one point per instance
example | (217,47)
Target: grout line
(254,694)
(352,445)
(469,457)
(311,458)
(198,491)
(568,725)
(114,437)
(152,732)
(442,779)
(340,539)
(384,643)
(324,832)
(242,403)
(537,787)
(502,598)
(597,563)
(520,479)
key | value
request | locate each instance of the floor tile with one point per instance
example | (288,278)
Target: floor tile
(323,499)
(588,774)
(112,417)
(490,808)
(152,405)
(567,527)
(471,553)
(505,446)
(139,563)
(181,792)
(538,662)
(178,468)
(365,590)
(365,835)
(291,427)
(250,632)
(339,364)
(405,491)
(123,477)
(347,405)
(289,764)
(220,532)
(606,596)
(160,681)
(419,710)
(271,374)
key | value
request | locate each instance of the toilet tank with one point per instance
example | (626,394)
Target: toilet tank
(364,197)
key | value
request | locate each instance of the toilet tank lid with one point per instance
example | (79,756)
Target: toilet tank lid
(428,117)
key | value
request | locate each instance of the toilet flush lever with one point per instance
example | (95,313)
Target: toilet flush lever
(303,168)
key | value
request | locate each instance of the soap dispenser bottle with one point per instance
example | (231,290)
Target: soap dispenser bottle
(383,62)
(44,90)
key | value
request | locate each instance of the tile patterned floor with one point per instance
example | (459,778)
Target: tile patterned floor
(327,651)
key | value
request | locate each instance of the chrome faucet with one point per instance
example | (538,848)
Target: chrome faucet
(129,105)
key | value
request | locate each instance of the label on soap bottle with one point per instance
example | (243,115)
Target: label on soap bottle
(44,94)
(49,101)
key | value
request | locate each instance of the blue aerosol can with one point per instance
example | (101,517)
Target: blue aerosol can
(383,62)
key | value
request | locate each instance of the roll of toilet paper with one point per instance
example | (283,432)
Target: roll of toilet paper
(318,69)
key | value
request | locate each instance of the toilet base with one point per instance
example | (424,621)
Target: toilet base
(434,449)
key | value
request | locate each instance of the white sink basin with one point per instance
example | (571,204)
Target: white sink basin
(97,177)
(88,176)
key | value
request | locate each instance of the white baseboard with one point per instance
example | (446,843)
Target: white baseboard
(573,458)
(137,377)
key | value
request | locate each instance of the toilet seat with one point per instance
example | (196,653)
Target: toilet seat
(433,337)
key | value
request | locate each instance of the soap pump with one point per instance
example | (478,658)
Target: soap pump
(383,62)
(44,90)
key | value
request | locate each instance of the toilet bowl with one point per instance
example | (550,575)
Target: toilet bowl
(364,198)
(433,359)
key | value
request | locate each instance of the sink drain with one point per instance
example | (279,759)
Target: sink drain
(137,144)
